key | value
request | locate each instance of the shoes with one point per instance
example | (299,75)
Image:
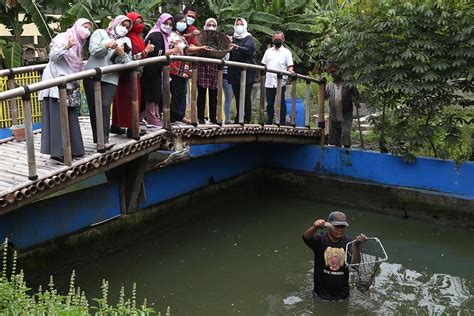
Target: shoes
(178,123)
(202,122)
(108,146)
(116,130)
(143,122)
(130,133)
(58,159)
(186,121)
(154,126)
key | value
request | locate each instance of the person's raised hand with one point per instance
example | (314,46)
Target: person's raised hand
(111,44)
(360,238)
(71,41)
(318,224)
(149,48)
(119,50)
(196,32)
(232,46)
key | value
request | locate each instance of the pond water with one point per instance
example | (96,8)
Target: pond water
(245,256)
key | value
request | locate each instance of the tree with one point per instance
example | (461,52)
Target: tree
(414,58)
(9,15)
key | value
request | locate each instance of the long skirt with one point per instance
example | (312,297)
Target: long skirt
(122,104)
(51,136)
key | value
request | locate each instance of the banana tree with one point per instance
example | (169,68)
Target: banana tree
(9,15)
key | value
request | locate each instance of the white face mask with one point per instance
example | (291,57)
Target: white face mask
(239,29)
(121,30)
(189,20)
(166,28)
(210,28)
(181,26)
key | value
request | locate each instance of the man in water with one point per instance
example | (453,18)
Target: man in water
(331,275)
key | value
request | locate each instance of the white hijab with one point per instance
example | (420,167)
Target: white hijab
(244,33)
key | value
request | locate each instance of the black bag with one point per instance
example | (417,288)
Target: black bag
(73,97)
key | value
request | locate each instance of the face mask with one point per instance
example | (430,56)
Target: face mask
(121,30)
(181,26)
(189,20)
(166,28)
(277,43)
(83,32)
(239,29)
(210,28)
(138,28)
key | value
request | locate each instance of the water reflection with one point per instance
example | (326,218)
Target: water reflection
(396,291)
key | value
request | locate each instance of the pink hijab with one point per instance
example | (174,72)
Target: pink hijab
(74,54)
(157,28)
(119,19)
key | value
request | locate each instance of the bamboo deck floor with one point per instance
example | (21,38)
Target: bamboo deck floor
(17,190)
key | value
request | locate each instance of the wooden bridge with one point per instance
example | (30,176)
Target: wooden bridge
(26,175)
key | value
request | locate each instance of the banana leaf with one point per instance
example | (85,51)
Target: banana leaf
(34,11)
(263,17)
(261,29)
(297,27)
(77,11)
(13,55)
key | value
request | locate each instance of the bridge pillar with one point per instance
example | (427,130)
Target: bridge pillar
(130,178)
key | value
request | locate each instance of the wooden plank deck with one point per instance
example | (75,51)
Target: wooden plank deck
(17,190)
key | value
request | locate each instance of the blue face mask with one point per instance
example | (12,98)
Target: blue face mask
(181,26)
(189,20)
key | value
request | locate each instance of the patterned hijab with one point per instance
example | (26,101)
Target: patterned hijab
(74,54)
(119,19)
(157,28)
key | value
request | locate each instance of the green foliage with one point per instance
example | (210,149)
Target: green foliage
(414,58)
(297,18)
(13,55)
(15,297)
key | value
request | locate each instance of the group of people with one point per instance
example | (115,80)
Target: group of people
(122,42)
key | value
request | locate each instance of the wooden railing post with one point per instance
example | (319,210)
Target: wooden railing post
(135,106)
(277,105)
(220,82)
(12,101)
(65,132)
(166,98)
(30,145)
(321,121)
(99,115)
(194,84)
(263,76)
(243,83)
(307,105)
(293,101)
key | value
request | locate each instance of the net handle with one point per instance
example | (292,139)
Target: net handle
(358,264)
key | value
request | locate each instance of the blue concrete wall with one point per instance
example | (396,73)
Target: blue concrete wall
(6,132)
(60,215)
(77,210)
(426,173)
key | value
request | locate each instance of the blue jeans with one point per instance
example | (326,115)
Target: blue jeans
(228,95)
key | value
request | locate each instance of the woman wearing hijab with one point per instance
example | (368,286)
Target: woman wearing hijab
(65,57)
(207,80)
(151,79)
(243,51)
(122,106)
(107,47)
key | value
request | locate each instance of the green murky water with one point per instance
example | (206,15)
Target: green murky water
(245,256)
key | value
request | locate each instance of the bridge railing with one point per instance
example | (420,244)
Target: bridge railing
(25,93)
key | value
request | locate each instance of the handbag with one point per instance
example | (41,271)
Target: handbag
(73,98)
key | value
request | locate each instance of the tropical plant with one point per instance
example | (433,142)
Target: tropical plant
(298,19)
(15,297)
(9,15)
(414,59)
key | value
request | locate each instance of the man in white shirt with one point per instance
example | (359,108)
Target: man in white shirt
(276,57)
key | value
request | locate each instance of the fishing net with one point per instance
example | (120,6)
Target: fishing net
(372,254)
(218,44)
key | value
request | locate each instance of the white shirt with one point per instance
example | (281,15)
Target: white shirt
(279,59)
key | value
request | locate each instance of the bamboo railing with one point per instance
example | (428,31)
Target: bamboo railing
(26,91)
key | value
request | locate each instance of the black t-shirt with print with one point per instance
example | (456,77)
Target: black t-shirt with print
(331,275)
